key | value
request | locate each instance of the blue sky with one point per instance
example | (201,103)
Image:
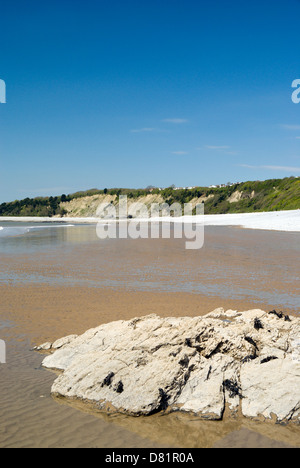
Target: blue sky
(135,93)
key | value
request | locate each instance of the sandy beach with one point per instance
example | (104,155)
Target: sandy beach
(59,282)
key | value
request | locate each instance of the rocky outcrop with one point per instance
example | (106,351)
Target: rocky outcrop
(237,196)
(247,360)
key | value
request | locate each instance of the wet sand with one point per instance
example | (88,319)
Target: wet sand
(51,312)
(30,418)
(81,283)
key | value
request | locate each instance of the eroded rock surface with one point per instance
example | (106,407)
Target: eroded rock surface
(193,364)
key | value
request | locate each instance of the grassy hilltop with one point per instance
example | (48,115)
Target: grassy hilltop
(246,197)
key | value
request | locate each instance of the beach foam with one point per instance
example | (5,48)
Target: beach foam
(12,231)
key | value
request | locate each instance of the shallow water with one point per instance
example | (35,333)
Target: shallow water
(30,418)
(256,266)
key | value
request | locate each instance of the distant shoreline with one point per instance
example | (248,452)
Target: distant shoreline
(273,220)
(241,197)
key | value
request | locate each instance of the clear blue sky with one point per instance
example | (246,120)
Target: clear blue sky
(133,93)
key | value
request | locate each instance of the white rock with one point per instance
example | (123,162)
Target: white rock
(43,347)
(272,388)
(60,343)
(63,341)
(191,364)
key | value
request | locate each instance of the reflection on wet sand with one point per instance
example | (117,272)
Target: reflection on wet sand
(237,265)
(188,431)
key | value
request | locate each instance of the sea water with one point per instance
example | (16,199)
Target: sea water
(239,264)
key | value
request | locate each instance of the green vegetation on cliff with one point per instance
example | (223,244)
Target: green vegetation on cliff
(45,207)
(269,195)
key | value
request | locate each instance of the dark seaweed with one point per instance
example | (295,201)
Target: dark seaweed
(184,361)
(108,379)
(249,358)
(209,372)
(188,342)
(268,359)
(233,388)
(251,341)
(120,387)
(280,315)
(164,398)
(257,324)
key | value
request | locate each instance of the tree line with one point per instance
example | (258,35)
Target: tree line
(269,195)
